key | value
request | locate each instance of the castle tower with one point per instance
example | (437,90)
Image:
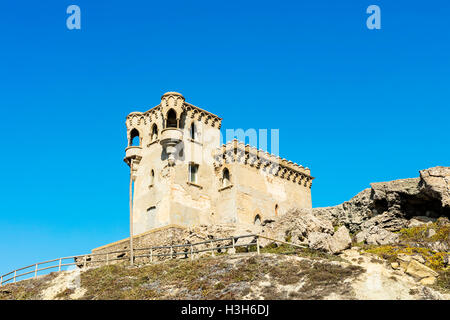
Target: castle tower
(173,146)
(182,175)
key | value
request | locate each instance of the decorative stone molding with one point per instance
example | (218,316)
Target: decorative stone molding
(170,138)
(176,101)
(226,187)
(202,115)
(194,185)
(133,154)
(238,152)
(137,119)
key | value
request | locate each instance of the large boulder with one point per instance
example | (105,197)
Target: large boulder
(419,270)
(341,240)
(320,241)
(335,243)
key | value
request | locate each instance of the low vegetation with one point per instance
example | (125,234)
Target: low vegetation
(418,241)
(216,278)
(221,277)
(27,289)
(426,233)
(280,272)
(286,249)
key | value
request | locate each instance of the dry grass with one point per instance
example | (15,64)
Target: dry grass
(221,277)
(26,289)
(215,278)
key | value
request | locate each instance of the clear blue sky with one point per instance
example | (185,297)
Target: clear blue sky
(354,105)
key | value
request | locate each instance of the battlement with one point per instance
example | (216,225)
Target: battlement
(173,100)
(238,152)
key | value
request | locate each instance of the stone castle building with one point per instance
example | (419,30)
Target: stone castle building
(182,175)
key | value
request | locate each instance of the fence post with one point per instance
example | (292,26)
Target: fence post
(171,252)
(257,245)
(107,259)
(151,255)
(85,262)
(59,265)
(192,252)
(15,273)
(212,249)
(1,281)
(234,249)
(35,271)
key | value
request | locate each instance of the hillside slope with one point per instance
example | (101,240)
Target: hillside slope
(302,274)
(391,241)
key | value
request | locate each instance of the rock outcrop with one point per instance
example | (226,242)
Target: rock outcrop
(436,183)
(351,213)
(301,226)
(389,205)
(376,236)
(296,225)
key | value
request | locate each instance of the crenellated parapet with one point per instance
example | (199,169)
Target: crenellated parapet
(175,101)
(135,119)
(238,152)
(204,116)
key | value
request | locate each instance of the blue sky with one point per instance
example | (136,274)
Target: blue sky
(354,105)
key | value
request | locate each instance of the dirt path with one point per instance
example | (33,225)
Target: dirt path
(381,282)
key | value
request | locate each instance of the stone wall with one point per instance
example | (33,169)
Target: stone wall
(172,235)
(168,235)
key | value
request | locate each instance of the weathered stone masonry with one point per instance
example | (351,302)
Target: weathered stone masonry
(182,174)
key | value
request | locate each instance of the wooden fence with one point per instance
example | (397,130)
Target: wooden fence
(189,250)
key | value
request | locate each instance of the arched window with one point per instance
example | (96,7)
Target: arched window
(226,178)
(193,132)
(135,140)
(257,220)
(276,210)
(171,119)
(152,177)
(154,132)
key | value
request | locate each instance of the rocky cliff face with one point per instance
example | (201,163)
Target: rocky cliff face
(389,205)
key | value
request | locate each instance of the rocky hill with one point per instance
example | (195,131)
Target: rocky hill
(390,241)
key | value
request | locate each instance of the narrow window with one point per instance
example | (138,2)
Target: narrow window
(171,119)
(152,177)
(257,220)
(135,140)
(154,132)
(193,132)
(225,178)
(276,210)
(193,169)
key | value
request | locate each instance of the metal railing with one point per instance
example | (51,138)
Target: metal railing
(152,253)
